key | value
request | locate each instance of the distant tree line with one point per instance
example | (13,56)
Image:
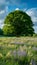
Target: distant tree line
(17,23)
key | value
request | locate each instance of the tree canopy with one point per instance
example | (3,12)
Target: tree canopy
(18,23)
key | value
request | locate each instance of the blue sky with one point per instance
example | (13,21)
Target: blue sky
(29,6)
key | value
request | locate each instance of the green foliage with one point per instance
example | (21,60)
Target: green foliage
(1,31)
(8,30)
(35,35)
(18,23)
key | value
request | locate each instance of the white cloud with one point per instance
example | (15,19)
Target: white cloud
(33,13)
(5,10)
(1,12)
(35,28)
(1,26)
(1,21)
(17,9)
(25,10)
(2,1)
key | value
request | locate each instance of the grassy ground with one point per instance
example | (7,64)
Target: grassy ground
(18,39)
(25,40)
(26,46)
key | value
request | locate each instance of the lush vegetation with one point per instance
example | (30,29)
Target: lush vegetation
(18,23)
(18,50)
(1,31)
(24,53)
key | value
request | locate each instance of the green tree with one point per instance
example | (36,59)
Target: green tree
(1,31)
(18,23)
(8,30)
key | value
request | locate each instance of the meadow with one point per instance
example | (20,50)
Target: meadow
(18,50)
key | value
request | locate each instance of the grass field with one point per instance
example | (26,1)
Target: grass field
(18,50)
(19,39)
